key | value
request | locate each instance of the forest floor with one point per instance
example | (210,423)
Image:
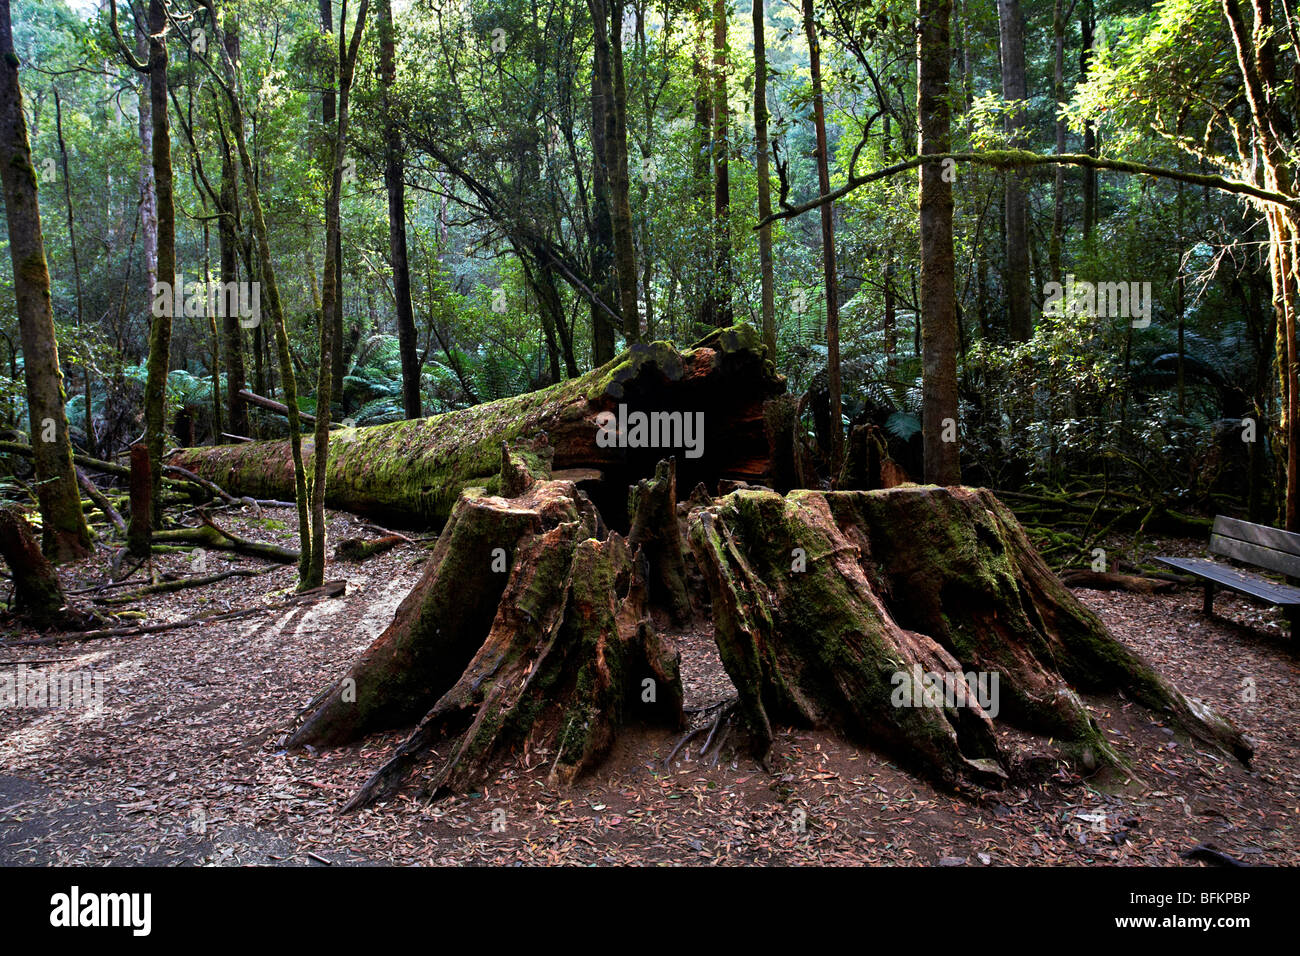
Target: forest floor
(183,762)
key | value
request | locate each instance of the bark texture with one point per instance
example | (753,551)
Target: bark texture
(38,595)
(938,296)
(63,524)
(526,632)
(826,605)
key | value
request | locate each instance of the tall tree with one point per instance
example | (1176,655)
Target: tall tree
(65,536)
(1011,32)
(723,278)
(938,300)
(227,77)
(702,166)
(312,565)
(1059,17)
(229,247)
(829,271)
(328,123)
(148,190)
(602,146)
(619,186)
(1088,33)
(395,184)
(160,328)
(765,269)
(89,420)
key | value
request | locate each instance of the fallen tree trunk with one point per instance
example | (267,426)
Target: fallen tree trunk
(101,502)
(871,612)
(1114,581)
(414,471)
(357,550)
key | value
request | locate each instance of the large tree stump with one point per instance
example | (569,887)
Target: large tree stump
(828,607)
(907,619)
(525,631)
(413,471)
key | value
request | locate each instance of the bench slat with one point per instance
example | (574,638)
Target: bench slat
(1261,557)
(1235,580)
(1258,534)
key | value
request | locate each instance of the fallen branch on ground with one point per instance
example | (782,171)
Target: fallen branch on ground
(210,535)
(180,584)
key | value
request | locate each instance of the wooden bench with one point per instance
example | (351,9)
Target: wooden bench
(1255,544)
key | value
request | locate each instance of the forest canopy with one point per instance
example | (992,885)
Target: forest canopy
(372,212)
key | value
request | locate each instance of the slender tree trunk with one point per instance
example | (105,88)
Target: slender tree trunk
(702,170)
(767,280)
(890,320)
(228,246)
(937,297)
(215,365)
(1088,31)
(335,315)
(1256,54)
(828,243)
(64,532)
(89,415)
(602,242)
(724,279)
(395,183)
(148,192)
(1016,277)
(311,571)
(162,295)
(1058,96)
(270,294)
(228,253)
(620,204)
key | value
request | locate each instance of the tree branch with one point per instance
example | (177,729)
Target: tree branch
(1020,158)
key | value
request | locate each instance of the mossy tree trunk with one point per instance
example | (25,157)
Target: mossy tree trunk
(63,524)
(843,609)
(38,596)
(657,531)
(414,471)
